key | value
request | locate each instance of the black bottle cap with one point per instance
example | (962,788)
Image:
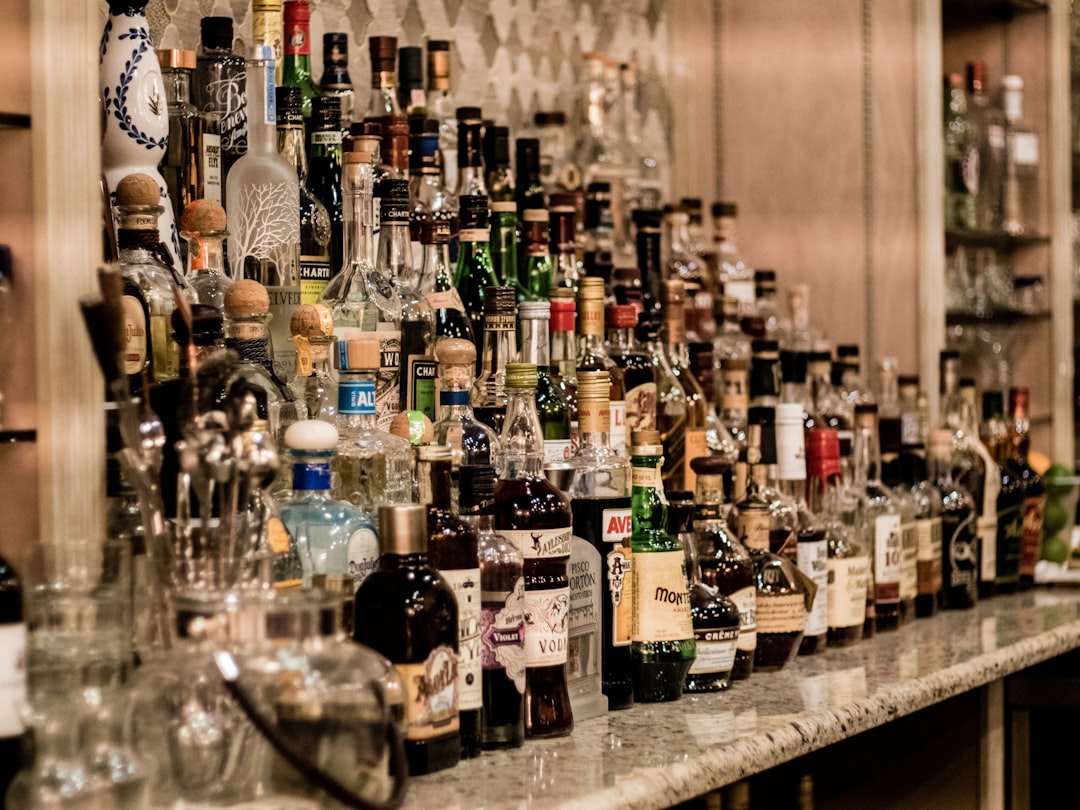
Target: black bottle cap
(411,67)
(471,114)
(383,52)
(724,209)
(500,300)
(438,45)
(418,125)
(818,356)
(847,350)
(766,418)
(556,118)
(527,159)
(907,379)
(647,218)
(764,346)
(335,48)
(325,113)
(473,211)
(836,372)
(793,366)
(993,404)
(497,147)
(216,32)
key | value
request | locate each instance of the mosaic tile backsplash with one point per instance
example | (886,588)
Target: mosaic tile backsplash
(510,57)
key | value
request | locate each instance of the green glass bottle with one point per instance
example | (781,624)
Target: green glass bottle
(474,268)
(504,242)
(537,280)
(662,646)
(296,71)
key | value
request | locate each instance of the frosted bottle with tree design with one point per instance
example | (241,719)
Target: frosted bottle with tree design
(264,218)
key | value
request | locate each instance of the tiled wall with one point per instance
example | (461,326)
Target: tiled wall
(511,57)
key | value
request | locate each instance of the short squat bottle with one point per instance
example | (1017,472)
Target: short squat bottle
(407,611)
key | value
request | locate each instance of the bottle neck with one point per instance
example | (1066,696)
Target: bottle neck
(564,351)
(292,147)
(648,504)
(522,439)
(395,244)
(534,342)
(177,86)
(500,341)
(357,215)
(262,115)
(356,400)
(433,478)
(594,425)
(207,253)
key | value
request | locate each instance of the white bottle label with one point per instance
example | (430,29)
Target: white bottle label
(909,554)
(363,553)
(929,554)
(887,551)
(660,605)
(848,581)
(465,583)
(617,434)
(987,529)
(745,600)
(715,650)
(135,337)
(557,451)
(211,164)
(547,616)
(540,543)
(1025,148)
(502,633)
(387,391)
(781,613)
(12,678)
(813,560)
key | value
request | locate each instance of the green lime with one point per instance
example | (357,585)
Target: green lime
(1055,549)
(1055,518)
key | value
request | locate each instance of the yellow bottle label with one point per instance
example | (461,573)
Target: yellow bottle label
(660,599)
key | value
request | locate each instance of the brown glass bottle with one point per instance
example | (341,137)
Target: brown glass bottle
(724,562)
(639,378)
(452,549)
(1031,483)
(405,610)
(682,424)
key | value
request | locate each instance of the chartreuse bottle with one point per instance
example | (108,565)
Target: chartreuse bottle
(662,646)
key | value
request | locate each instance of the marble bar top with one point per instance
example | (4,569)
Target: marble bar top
(656,755)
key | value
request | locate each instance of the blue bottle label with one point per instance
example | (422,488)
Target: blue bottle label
(357,397)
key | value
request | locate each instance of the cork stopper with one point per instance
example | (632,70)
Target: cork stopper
(455,352)
(414,426)
(203,216)
(246,297)
(138,189)
(311,321)
(359,354)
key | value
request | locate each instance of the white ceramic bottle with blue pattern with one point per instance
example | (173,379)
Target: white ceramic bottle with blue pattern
(136,115)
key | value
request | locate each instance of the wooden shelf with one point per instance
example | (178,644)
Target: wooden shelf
(992,239)
(10,120)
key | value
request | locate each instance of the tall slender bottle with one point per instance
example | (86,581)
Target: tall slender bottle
(442,296)
(296,69)
(268,29)
(499,348)
(551,404)
(531,513)
(504,242)
(335,80)
(593,356)
(406,610)
(1031,483)
(694,434)
(1020,192)
(219,90)
(961,157)
(724,562)
(600,502)
(502,615)
(537,275)
(453,549)
(662,646)
(561,233)
(441,107)
(324,172)
(474,266)
(639,380)
(960,543)
(383,99)
(564,353)
(264,218)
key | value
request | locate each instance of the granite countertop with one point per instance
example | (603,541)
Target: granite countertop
(656,755)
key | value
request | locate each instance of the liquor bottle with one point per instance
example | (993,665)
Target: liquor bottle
(406,610)
(662,645)
(682,264)
(626,288)
(551,404)
(296,69)
(849,578)
(1020,192)
(324,172)
(334,540)
(562,232)
(994,437)
(1010,498)
(268,29)
(536,517)
(714,616)
(538,273)
(733,393)
(598,233)
(600,502)
(811,540)
(1031,484)
(441,106)
(315,225)
(781,596)
(960,544)
(718,435)
(797,333)
(639,380)
(314,386)
(264,218)
(693,441)
(564,352)
(470,154)
(428,196)
(474,266)
(830,409)
(150,353)
(593,356)
(558,172)
(793,387)
(765,379)
(411,96)
(13,734)
(504,242)
(372,467)
(990,125)
(453,550)
(448,310)
(203,225)
(498,174)
(882,519)
(735,276)
(961,157)
(724,562)
(219,92)
(383,99)
(529,189)
(647,236)
(335,80)
(191,164)
(889,429)
(502,616)
(645,178)
(499,348)
(766,307)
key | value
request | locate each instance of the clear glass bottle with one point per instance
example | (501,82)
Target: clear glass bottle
(592,355)
(551,404)
(417,629)
(961,157)
(296,69)
(373,467)
(662,645)
(959,535)
(990,125)
(532,514)
(558,171)
(264,219)
(682,264)
(735,274)
(324,171)
(502,618)
(475,270)
(437,283)
(334,540)
(453,550)
(441,107)
(679,451)
(600,502)
(563,367)
(315,223)
(203,225)
(383,99)
(314,385)
(1020,195)
(335,80)
(499,348)
(219,91)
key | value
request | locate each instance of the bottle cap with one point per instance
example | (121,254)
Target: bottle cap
(403,528)
(296,11)
(793,366)
(138,189)
(906,380)
(176,59)
(562,201)
(788,413)
(563,309)
(469,114)
(593,385)
(216,32)
(415,427)
(246,297)
(527,157)
(358,354)
(766,349)
(550,118)
(620,316)
(847,351)
(312,321)
(202,217)
(473,210)
(335,48)
(500,300)
(710,465)
(1018,400)
(993,404)
(521,375)
(534,310)
(497,147)
(535,215)
(591,287)
(725,209)
(823,453)
(438,45)
(411,67)
(383,54)
(455,352)
(646,443)
(434,232)
(311,435)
